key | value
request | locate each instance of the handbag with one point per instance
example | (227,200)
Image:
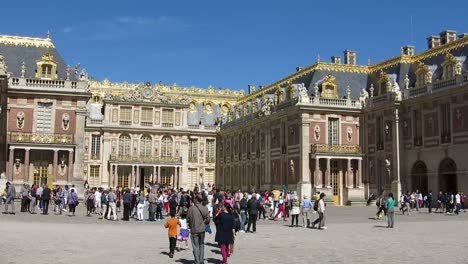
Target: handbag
(207,225)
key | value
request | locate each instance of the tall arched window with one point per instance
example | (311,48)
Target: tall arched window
(145,146)
(166,147)
(124,145)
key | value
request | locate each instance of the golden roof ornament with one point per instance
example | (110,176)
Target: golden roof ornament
(48,35)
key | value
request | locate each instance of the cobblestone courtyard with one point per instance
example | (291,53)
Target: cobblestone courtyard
(351,237)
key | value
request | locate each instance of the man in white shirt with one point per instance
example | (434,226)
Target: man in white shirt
(97,200)
(457,203)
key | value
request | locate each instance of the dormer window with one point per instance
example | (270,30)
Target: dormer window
(46,67)
(383,83)
(448,67)
(329,87)
(46,71)
(423,75)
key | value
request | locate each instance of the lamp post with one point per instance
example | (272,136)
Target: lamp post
(396,184)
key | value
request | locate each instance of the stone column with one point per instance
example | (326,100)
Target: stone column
(350,182)
(137,179)
(174,177)
(26,165)
(359,174)
(111,176)
(318,174)
(54,165)
(116,175)
(328,174)
(11,164)
(132,176)
(304,186)
(153,179)
(159,174)
(70,166)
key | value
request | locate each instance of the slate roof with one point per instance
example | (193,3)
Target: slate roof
(15,55)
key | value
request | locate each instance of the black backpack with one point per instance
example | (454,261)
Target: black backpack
(316,203)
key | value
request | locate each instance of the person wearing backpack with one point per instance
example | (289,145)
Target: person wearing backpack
(320,207)
(381,205)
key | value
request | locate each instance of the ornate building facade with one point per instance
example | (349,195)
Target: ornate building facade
(43,113)
(140,133)
(305,132)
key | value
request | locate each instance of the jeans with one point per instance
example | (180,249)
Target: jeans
(12,202)
(159,214)
(198,245)
(242,220)
(32,205)
(390,217)
(295,216)
(253,222)
(320,220)
(46,206)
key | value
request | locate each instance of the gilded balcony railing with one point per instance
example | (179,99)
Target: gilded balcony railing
(335,149)
(145,159)
(40,138)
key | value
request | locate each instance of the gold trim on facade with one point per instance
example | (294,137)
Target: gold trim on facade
(26,41)
(145,159)
(358,68)
(335,149)
(39,138)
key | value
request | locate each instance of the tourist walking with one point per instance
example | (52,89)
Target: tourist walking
(171,225)
(225,231)
(46,198)
(243,212)
(390,204)
(381,205)
(111,198)
(252,209)
(126,204)
(152,205)
(281,208)
(198,217)
(306,206)
(10,198)
(184,231)
(32,198)
(72,201)
(429,201)
(140,206)
(90,202)
(24,197)
(295,210)
(320,206)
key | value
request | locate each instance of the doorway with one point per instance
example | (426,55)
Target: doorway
(448,175)
(335,181)
(419,177)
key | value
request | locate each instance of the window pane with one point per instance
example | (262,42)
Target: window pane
(166,147)
(193,150)
(125,116)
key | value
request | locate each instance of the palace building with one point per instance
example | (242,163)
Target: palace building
(348,130)
(335,127)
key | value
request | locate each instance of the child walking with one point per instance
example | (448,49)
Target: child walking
(171,225)
(183,232)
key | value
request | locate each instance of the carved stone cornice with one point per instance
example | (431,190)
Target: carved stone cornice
(26,41)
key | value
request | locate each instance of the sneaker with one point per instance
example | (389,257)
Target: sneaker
(242,231)
(65,210)
(323,228)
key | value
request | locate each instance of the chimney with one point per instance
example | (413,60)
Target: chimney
(299,68)
(350,57)
(336,59)
(407,50)
(447,36)
(260,87)
(251,88)
(433,42)
(463,35)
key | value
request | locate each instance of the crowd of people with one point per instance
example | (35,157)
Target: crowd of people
(444,202)
(188,212)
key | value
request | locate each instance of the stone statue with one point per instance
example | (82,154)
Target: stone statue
(316,90)
(371,89)
(267,104)
(23,69)
(349,133)
(406,82)
(387,167)
(83,75)
(458,68)
(363,97)
(292,166)
(317,132)
(3,67)
(303,96)
(68,71)
(397,91)
(20,120)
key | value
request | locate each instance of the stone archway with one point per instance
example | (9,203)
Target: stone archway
(419,177)
(448,175)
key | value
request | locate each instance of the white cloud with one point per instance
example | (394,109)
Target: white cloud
(67,30)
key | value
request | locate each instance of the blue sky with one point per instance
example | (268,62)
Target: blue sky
(226,43)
